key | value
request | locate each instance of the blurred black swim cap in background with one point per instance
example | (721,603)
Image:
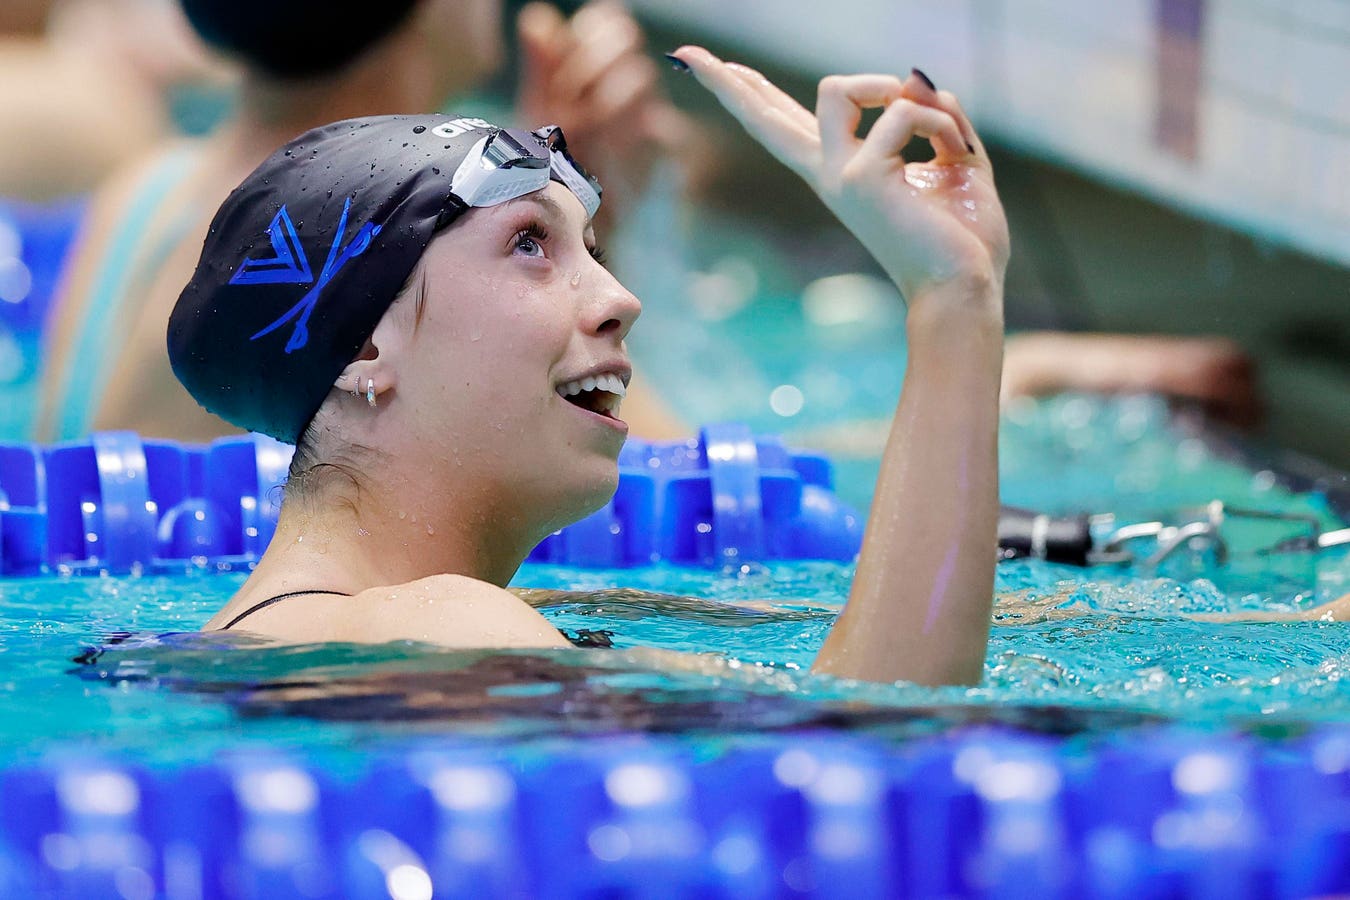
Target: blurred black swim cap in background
(296,38)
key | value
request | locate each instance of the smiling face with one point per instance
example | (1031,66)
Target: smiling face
(511,379)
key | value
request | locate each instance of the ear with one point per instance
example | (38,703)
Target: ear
(379,360)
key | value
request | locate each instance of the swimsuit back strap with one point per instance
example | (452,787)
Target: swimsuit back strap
(271,600)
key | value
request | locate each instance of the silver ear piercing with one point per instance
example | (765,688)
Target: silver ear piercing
(370,390)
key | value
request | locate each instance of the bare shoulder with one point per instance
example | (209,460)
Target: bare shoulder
(450,610)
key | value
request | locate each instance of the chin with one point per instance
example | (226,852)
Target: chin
(583,496)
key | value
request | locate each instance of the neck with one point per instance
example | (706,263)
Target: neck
(393,533)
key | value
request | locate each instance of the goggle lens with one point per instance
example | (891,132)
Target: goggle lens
(512,163)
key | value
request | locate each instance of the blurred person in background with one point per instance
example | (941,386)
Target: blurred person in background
(105,365)
(86,87)
(1213,373)
(303,65)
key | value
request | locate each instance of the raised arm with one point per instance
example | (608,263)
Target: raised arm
(920,603)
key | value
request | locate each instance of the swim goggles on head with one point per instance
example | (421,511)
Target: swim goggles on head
(512,162)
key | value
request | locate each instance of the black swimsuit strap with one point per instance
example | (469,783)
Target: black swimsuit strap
(271,600)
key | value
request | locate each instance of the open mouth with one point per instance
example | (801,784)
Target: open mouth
(600,394)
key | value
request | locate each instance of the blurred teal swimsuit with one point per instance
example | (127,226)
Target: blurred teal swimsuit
(123,269)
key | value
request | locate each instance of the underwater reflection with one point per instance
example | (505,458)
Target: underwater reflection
(535,694)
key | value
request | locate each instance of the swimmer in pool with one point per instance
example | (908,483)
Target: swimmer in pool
(419,304)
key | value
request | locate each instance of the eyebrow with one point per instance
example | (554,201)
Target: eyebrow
(553,207)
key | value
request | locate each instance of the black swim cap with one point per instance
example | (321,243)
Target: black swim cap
(295,38)
(303,259)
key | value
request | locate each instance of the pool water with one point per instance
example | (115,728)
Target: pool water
(716,655)
(744,336)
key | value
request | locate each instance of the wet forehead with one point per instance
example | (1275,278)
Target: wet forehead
(558,203)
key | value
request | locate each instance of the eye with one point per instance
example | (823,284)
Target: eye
(529,241)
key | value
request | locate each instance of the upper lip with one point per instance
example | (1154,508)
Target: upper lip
(620,367)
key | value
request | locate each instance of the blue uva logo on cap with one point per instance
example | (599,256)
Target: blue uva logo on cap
(290,265)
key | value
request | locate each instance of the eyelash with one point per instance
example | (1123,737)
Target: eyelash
(536,232)
(533,232)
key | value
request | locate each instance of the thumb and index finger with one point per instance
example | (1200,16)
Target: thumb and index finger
(920,88)
(806,142)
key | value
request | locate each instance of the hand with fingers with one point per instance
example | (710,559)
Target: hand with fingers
(926,223)
(920,603)
(590,75)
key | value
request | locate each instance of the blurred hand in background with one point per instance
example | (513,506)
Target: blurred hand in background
(591,75)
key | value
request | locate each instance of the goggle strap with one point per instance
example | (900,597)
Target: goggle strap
(575,182)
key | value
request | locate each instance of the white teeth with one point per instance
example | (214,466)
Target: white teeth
(608,382)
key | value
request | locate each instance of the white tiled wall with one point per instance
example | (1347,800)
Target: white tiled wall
(1079,81)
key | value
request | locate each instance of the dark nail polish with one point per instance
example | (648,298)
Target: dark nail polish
(676,63)
(925,79)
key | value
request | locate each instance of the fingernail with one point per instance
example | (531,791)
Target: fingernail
(676,63)
(925,79)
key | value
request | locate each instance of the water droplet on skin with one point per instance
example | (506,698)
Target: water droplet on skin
(430,530)
(920,178)
(576,278)
(402,514)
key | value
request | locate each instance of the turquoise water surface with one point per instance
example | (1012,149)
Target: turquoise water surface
(726,655)
(1071,650)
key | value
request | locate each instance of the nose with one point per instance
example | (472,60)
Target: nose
(613,309)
